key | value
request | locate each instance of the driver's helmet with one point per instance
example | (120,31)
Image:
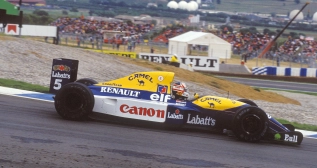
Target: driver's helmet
(180,91)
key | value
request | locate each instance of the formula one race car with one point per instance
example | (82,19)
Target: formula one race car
(151,97)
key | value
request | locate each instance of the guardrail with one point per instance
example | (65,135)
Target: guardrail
(283,71)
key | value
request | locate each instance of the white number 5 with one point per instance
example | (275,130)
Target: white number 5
(58,84)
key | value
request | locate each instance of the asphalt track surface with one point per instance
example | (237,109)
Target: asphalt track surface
(33,135)
(283,85)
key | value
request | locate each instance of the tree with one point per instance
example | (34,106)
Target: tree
(266,30)
(308,15)
(293,34)
(273,14)
(90,12)
(129,22)
(36,20)
(160,5)
(73,9)
(40,13)
(272,33)
(27,20)
(64,12)
(122,3)
(230,29)
(253,30)
(107,14)
(154,22)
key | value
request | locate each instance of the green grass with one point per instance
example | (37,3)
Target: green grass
(23,85)
(298,125)
(292,91)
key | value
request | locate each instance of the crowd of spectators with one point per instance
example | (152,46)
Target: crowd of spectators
(97,26)
(299,50)
(242,43)
(169,33)
(129,33)
(248,45)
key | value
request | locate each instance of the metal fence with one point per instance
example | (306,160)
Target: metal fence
(97,42)
(301,59)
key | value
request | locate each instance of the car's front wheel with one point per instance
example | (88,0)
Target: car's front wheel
(250,124)
(74,101)
(250,102)
(87,81)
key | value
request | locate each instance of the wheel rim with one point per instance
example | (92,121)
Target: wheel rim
(251,124)
(73,101)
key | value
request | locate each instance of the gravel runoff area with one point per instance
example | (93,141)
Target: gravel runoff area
(30,61)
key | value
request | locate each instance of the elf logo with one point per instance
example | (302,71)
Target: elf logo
(160,97)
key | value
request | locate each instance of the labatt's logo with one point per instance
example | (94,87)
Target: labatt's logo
(62,75)
(290,138)
(142,111)
(200,120)
(175,115)
(61,68)
(140,77)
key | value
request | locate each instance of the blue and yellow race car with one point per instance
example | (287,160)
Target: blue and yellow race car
(151,96)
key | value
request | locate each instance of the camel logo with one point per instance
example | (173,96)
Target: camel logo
(140,78)
(211,105)
(211,99)
(141,82)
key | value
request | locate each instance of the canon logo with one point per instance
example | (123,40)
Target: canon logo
(124,108)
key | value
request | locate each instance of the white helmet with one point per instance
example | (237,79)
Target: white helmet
(180,91)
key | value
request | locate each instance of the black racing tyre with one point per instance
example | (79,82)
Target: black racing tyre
(250,124)
(74,101)
(87,81)
(250,102)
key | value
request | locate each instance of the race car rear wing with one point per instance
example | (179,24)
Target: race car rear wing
(63,72)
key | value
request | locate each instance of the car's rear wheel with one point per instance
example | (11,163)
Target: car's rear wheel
(250,124)
(250,102)
(74,101)
(87,81)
